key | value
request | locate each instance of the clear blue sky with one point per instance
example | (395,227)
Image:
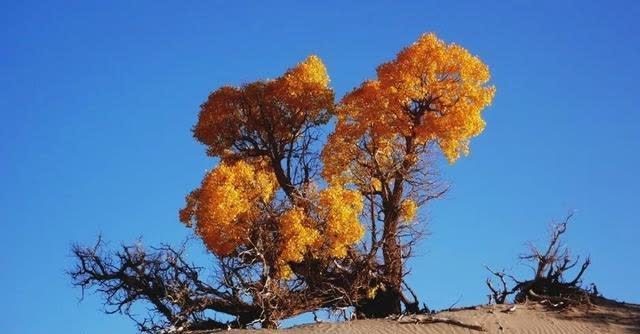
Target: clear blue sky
(97,101)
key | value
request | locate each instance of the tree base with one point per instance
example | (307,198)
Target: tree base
(386,302)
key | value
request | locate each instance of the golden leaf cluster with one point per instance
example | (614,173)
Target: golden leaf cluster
(340,208)
(228,202)
(408,210)
(431,92)
(242,119)
(299,236)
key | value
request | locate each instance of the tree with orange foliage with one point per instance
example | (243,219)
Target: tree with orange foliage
(431,93)
(262,204)
(285,216)
(266,185)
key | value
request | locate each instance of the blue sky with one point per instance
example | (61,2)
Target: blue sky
(97,101)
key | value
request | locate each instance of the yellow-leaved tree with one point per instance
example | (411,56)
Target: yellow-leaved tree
(270,204)
(299,216)
(262,210)
(432,93)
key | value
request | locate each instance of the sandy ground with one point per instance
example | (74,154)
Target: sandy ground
(526,319)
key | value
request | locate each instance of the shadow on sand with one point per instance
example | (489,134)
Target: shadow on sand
(608,312)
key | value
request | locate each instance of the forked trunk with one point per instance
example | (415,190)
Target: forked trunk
(388,295)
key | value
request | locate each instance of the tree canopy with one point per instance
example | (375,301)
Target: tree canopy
(263,133)
(300,221)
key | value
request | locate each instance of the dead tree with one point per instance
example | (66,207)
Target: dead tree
(163,279)
(180,293)
(549,282)
(499,294)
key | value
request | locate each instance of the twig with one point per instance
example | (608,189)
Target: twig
(433,320)
(454,303)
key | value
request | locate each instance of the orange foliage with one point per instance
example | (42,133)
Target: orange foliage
(340,209)
(249,128)
(298,235)
(325,229)
(254,118)
(231,203)
(408,210)
(227,204)
(432,91)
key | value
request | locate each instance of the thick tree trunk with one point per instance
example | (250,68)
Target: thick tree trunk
(392,255)
(268,323)
(388,296)
(384,303)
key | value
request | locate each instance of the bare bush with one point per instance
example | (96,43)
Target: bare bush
(180,294)
(551,266)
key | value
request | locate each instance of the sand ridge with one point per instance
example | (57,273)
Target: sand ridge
(525,319)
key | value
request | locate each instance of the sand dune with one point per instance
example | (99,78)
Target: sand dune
(526,319)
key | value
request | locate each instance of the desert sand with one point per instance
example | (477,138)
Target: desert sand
(610,317)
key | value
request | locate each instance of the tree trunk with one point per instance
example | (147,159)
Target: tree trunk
(392,255)
(268,323)
(388,297)
(384,304)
